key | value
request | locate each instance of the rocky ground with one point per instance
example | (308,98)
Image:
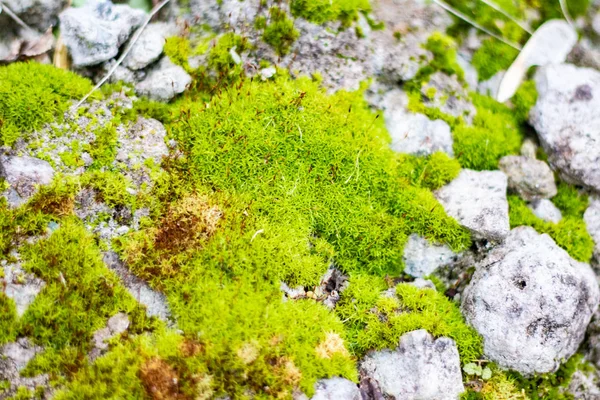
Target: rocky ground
(307,199)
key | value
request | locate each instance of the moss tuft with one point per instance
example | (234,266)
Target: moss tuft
(8,319)
(33,94)
(493,56)
(321,11)
(280,32)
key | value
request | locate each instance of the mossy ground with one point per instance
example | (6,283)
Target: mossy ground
(276,181)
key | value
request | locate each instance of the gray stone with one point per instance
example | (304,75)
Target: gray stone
(420,368)
(149,46)
(529,148)
(39,14)
(14,357)
(421,257)
(531,179)
(145,140)
(24,174)
(491,86)
(116,325)
(531,302)
(155,302)
(449,96)
(95,32)
(336,389)
(471,74)
(546,210)
(423,284)
(413,133)
(567,121)
(477,200)
(20,286)
(592,223)
(164,81)
(584,385)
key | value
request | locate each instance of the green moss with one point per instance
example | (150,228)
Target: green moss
(80,292)
(443,49)
(570,233)
(33,94)
(321,11)
(111,187)
(431,172)
(493,56)
(8,319)
(178,50)
(524,99)
(376,322)
(104,148)
(220,59)
(280,32)
(570,201)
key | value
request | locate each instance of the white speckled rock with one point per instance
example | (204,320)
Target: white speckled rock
(531,302)
(477,200)
(421,257)
(546,210)
(165,81)
(567,121)
(150,45)
(20,286)
(40,14)
(420,368)
(93,33)
(414,133)
(592,223)
(449,96)
(336,389)
(24,174)
(531,179)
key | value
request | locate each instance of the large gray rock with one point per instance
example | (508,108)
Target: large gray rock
(39,14)
(422,257)
(413,133)
(531,179)
(567,121)
(420,368)
(95,32)
(164,81)
(14,357)
(149,46)
(592,223)
(546,210)
(336,389)
(477,200)
(531,302)
(23,175)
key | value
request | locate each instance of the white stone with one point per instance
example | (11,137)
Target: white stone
(477,200)
(420,368)
(592,223)
(530,178)
(546,210)
(149,46)
(336,389)
(164,81)
(531,302)
(24,174)
(422,257)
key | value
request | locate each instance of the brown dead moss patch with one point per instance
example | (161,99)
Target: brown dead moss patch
(332,344)
(160,380)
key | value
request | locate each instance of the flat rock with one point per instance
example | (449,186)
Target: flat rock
(414,133)
(567,121)
(145,140)
(164,81)
(420,368)
(95,32)
(531,302)
(546,210)
(149,46)
(477,200)
(531,179)
(336,389)
(592,223)
(24,174)
(421,257)
(20,286)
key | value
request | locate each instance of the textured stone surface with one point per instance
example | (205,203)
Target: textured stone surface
(449,96)
(13,359)
(531,302)
(336,389)
(546,210)
(531,179)
(149,46)
(477,200)
(422,257)
(584,385)
(413,133)
(164,81)
(20,286)
(592,223)
(24,174)
(420,368)
(567,121)
(95,32)
(39,14)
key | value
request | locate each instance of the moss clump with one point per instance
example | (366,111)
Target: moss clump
(220,58)
(524,99)
(280,32)
(493,56)
(570,233)
(178,50)
(33,94)
(431,172)
(80,292)
(321,11)
(570,201)
(8,319)
(376,322)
